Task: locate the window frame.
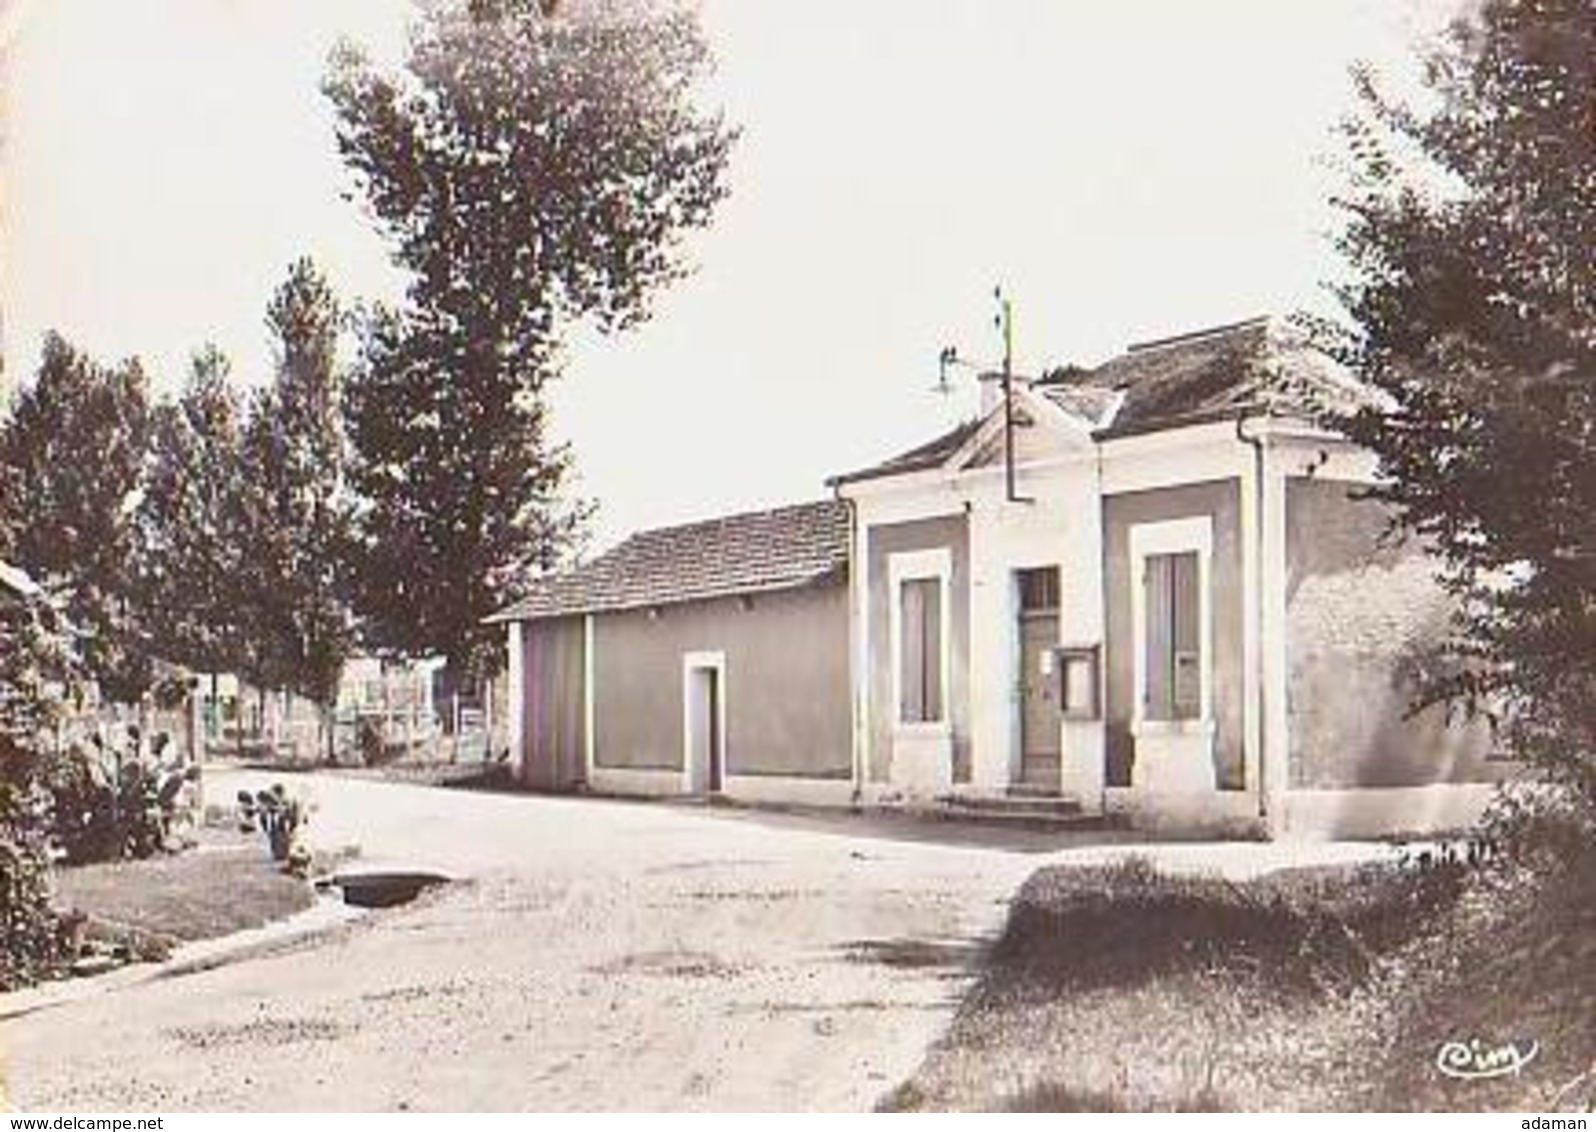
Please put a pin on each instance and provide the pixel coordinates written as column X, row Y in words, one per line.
column 917, row 566
column 1025, row 574
column 1148, row 540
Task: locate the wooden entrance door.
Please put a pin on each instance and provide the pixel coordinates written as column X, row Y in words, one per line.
column 1040, row 749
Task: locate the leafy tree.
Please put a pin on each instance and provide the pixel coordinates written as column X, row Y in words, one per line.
column 1471, row 235
column 192, row 522
column 74, row 450
column 34, row 659
column 425, row 582
column 10, row 494
column 296, row 530
column 533, row 165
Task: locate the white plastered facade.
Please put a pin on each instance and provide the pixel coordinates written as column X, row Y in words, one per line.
column 1060, row 523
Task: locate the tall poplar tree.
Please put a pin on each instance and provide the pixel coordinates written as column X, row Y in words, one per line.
column 192, row 521
column 297, row 503
column 531, row 166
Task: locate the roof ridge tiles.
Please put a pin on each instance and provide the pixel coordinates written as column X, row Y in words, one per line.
column 779, row 547
column 1261, row 320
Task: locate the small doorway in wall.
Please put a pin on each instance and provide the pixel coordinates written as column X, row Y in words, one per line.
column 1036, row 696
column 704, row 721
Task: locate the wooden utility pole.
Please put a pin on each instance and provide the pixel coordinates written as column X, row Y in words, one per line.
column 1005, row 321
column 949, row 358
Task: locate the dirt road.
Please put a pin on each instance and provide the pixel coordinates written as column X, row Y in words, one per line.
column 595, row 955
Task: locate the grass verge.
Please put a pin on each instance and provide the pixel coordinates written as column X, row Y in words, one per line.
column 154, row 904
column 1122, row 988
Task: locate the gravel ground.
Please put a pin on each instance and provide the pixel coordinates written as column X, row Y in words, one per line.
column 594, row 955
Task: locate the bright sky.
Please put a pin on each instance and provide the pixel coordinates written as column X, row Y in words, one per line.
column 1126, row 170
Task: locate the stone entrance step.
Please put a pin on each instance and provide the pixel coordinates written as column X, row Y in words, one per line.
column 1017, row 803
column 1046, row 811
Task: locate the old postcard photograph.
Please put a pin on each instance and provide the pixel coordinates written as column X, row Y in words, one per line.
column 668, row 556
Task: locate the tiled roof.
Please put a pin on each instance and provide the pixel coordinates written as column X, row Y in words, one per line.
column 784, row 548
column 1256, row 365
column 1090, row 403
column 931, row 454
column 1213, row 374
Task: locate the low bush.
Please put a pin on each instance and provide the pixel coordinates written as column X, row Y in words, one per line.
column 31, row 945
column 33, row 663
column 1513, row 960
column 114, row 800
column 1541, row 824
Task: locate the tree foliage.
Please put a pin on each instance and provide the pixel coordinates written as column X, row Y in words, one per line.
column 1471, row 235
column 198, row 530
column 297, row 509
column 532, row 165
column 463, row 493
column 193, row 521
column 74, row 449
column 35, row 661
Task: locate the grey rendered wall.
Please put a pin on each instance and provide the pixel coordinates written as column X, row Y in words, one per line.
column 786, row 691
column 553, row 726
column 1359, row 616
column 1220, row 500
column 885, row 540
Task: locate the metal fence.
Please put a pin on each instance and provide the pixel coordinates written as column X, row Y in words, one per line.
column 377, row 726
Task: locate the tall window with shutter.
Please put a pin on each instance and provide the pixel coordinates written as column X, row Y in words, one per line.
column 1173, row 641
column 920, row 651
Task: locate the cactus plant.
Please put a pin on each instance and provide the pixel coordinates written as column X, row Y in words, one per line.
column 274, row 814
column 110, row 800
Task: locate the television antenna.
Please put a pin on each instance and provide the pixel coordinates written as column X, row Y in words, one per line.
column 949, row 359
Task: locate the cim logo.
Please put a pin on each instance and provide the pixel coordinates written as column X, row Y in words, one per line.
column 1473, row 1060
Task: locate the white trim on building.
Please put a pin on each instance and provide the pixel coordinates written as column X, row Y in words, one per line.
column 516, row 705
column 922, row 752
column 589, row 716
column 915, row 566
column 697, row 779
column 1173, row 756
